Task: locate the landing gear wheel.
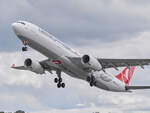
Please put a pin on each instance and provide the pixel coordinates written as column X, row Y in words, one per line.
column 91, row 80
column 59, row 85
column 56, row 80
column 91, row 84
column 88, row 79
column 63, row 85
column 24, row 49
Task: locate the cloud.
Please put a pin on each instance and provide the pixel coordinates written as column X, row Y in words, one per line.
column 135, row 47
column 84, row 110
column 15, row 100
column 76, row 21
column 78, row 96
column 10, row 76
column 112, row 29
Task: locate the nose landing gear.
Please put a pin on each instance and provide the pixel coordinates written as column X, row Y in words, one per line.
column 24, row 49
column 25, row 43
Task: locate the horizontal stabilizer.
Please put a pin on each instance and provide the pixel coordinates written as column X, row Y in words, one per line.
column 18, row 67
column 137, row 87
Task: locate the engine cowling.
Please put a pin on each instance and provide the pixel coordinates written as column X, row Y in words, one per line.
column 33, row 66
column 91, row 62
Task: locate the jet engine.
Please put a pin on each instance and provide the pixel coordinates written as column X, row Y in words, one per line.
column 91, row 63
column 33, row 66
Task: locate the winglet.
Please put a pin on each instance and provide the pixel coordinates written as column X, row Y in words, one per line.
column 122, row 76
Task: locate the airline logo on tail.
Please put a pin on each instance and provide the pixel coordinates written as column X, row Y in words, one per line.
column 125, row 76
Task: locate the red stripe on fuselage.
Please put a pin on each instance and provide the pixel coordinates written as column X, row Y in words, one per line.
column 56, row 61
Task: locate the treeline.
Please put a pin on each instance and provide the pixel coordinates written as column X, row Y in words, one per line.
column 19, row 111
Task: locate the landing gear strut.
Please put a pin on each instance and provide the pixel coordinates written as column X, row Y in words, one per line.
column 25, row 43
column 59, row 80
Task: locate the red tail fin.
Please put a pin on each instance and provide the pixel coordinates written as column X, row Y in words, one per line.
column 122, row 76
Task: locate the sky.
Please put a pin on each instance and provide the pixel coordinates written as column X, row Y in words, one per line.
column 102, row 28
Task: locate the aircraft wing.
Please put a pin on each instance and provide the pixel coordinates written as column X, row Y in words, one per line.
column 46, row 64
column 114, row 63
column 18, row 67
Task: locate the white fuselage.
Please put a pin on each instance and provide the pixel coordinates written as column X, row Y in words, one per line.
column 52, row 48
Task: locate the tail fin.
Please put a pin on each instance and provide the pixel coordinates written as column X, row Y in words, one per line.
column 122, row 76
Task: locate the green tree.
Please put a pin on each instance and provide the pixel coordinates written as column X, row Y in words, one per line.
column 19, row 111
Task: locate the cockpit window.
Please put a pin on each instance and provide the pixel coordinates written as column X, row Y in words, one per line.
column 21, row 23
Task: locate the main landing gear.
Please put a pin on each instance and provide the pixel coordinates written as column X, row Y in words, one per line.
column 25, row 43
column 59, row 80
column 91, row 80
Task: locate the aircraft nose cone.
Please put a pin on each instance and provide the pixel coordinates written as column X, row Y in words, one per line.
column 15, row 27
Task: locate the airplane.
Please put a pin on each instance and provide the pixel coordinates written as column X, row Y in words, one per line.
column 62, row 58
